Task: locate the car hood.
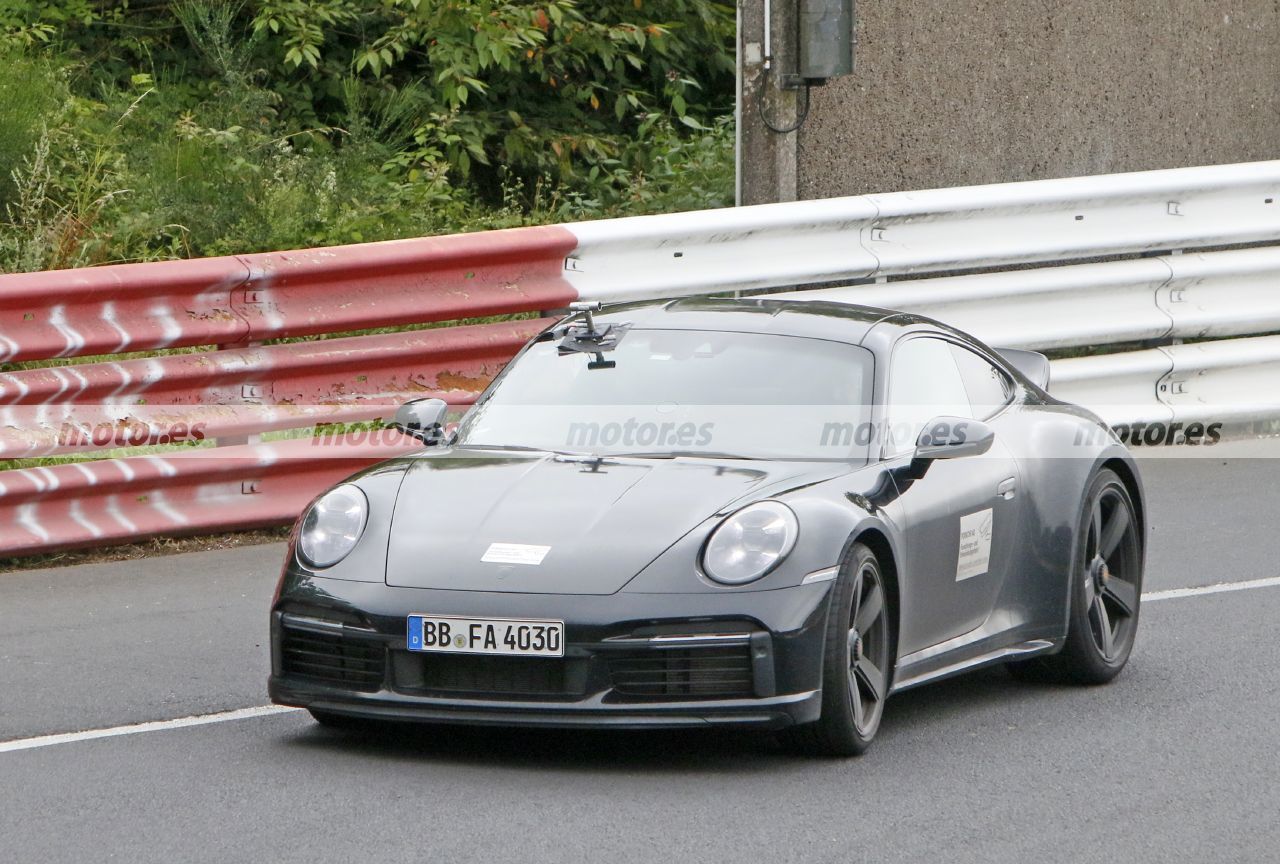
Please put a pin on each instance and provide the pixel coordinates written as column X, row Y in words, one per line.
column 561, row 525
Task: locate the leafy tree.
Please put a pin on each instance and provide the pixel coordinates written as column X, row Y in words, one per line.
column 546, row 86
column 205, row 126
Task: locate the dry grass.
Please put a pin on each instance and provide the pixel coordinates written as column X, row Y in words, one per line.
column 155, row 547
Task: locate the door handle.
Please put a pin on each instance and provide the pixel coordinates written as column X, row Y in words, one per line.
column 1007, row 488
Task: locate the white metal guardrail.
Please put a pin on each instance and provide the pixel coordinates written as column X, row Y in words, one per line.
column 1102, row 261
column 1190, row 296
column 1137, row 295
column 1228, row 381
column 933, row 231
column 1176, row 297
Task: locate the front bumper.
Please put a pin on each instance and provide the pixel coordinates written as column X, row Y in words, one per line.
column 631, row 660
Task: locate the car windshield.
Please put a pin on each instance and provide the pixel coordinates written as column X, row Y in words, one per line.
column 683, row 392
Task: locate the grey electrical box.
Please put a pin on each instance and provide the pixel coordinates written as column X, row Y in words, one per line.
column 826, row 39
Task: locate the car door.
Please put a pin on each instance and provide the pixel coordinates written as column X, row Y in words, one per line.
column 961, row 520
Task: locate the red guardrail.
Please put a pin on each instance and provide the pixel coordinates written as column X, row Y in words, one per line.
column 248, row 298
column 332, row 380
column 194, row 492
column 243, row 389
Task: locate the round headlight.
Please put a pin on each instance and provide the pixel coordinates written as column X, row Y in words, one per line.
column 332, row 526
column 750, row 543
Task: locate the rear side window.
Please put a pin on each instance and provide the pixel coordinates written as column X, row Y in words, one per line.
column 987, row 387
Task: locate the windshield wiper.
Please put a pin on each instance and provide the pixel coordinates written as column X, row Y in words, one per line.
column 677, row 454
column 523, row 448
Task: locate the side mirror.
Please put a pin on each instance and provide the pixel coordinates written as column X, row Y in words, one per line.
column 422, row 419
column 950, row 438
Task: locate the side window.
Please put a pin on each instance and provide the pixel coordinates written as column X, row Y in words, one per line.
column 924, row 383
column 988, row 388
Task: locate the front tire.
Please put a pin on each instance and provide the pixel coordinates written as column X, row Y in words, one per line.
column 1105, row 591
column 857, row 661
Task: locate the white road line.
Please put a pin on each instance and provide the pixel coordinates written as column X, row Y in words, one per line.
column 269, row 710
column 1219, row 588
column 137, row 728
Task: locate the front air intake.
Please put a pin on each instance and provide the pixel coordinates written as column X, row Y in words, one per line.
column 350, row 663
column 722, row 672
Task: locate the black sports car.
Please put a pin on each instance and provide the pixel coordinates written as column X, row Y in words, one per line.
column 752, row 512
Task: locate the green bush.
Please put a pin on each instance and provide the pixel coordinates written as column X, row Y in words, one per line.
column 200, row 128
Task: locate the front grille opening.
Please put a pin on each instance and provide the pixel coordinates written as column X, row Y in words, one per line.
column 721, row 672
column 339, row 661
column 478, row 676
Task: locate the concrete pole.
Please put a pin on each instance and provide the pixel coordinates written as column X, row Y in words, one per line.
column 766, row 158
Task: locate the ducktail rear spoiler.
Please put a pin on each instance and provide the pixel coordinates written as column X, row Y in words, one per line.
column 1030, row 363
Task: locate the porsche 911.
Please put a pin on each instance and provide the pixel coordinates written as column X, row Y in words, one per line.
column 759, row 513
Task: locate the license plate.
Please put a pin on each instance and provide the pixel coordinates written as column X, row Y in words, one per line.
column 448, row 634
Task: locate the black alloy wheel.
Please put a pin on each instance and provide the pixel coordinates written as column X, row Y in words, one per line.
column 857, row 662
column 1105, row 591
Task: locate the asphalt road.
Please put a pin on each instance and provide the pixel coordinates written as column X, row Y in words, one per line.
column 1177, row 760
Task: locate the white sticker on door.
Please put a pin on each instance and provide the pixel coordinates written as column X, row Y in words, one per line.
column 975, row 545
column 514, row 553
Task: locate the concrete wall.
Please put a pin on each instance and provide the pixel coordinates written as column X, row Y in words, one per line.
column 955, row 93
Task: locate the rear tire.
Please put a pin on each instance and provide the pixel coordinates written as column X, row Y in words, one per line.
column 1105, row 591
column 857, row 662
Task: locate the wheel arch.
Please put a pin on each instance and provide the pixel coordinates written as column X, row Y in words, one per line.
column 878, row 542
column 1129, row 477
column 1121, row 463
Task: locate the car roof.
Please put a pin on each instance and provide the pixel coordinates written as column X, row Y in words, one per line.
column 817, row 319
